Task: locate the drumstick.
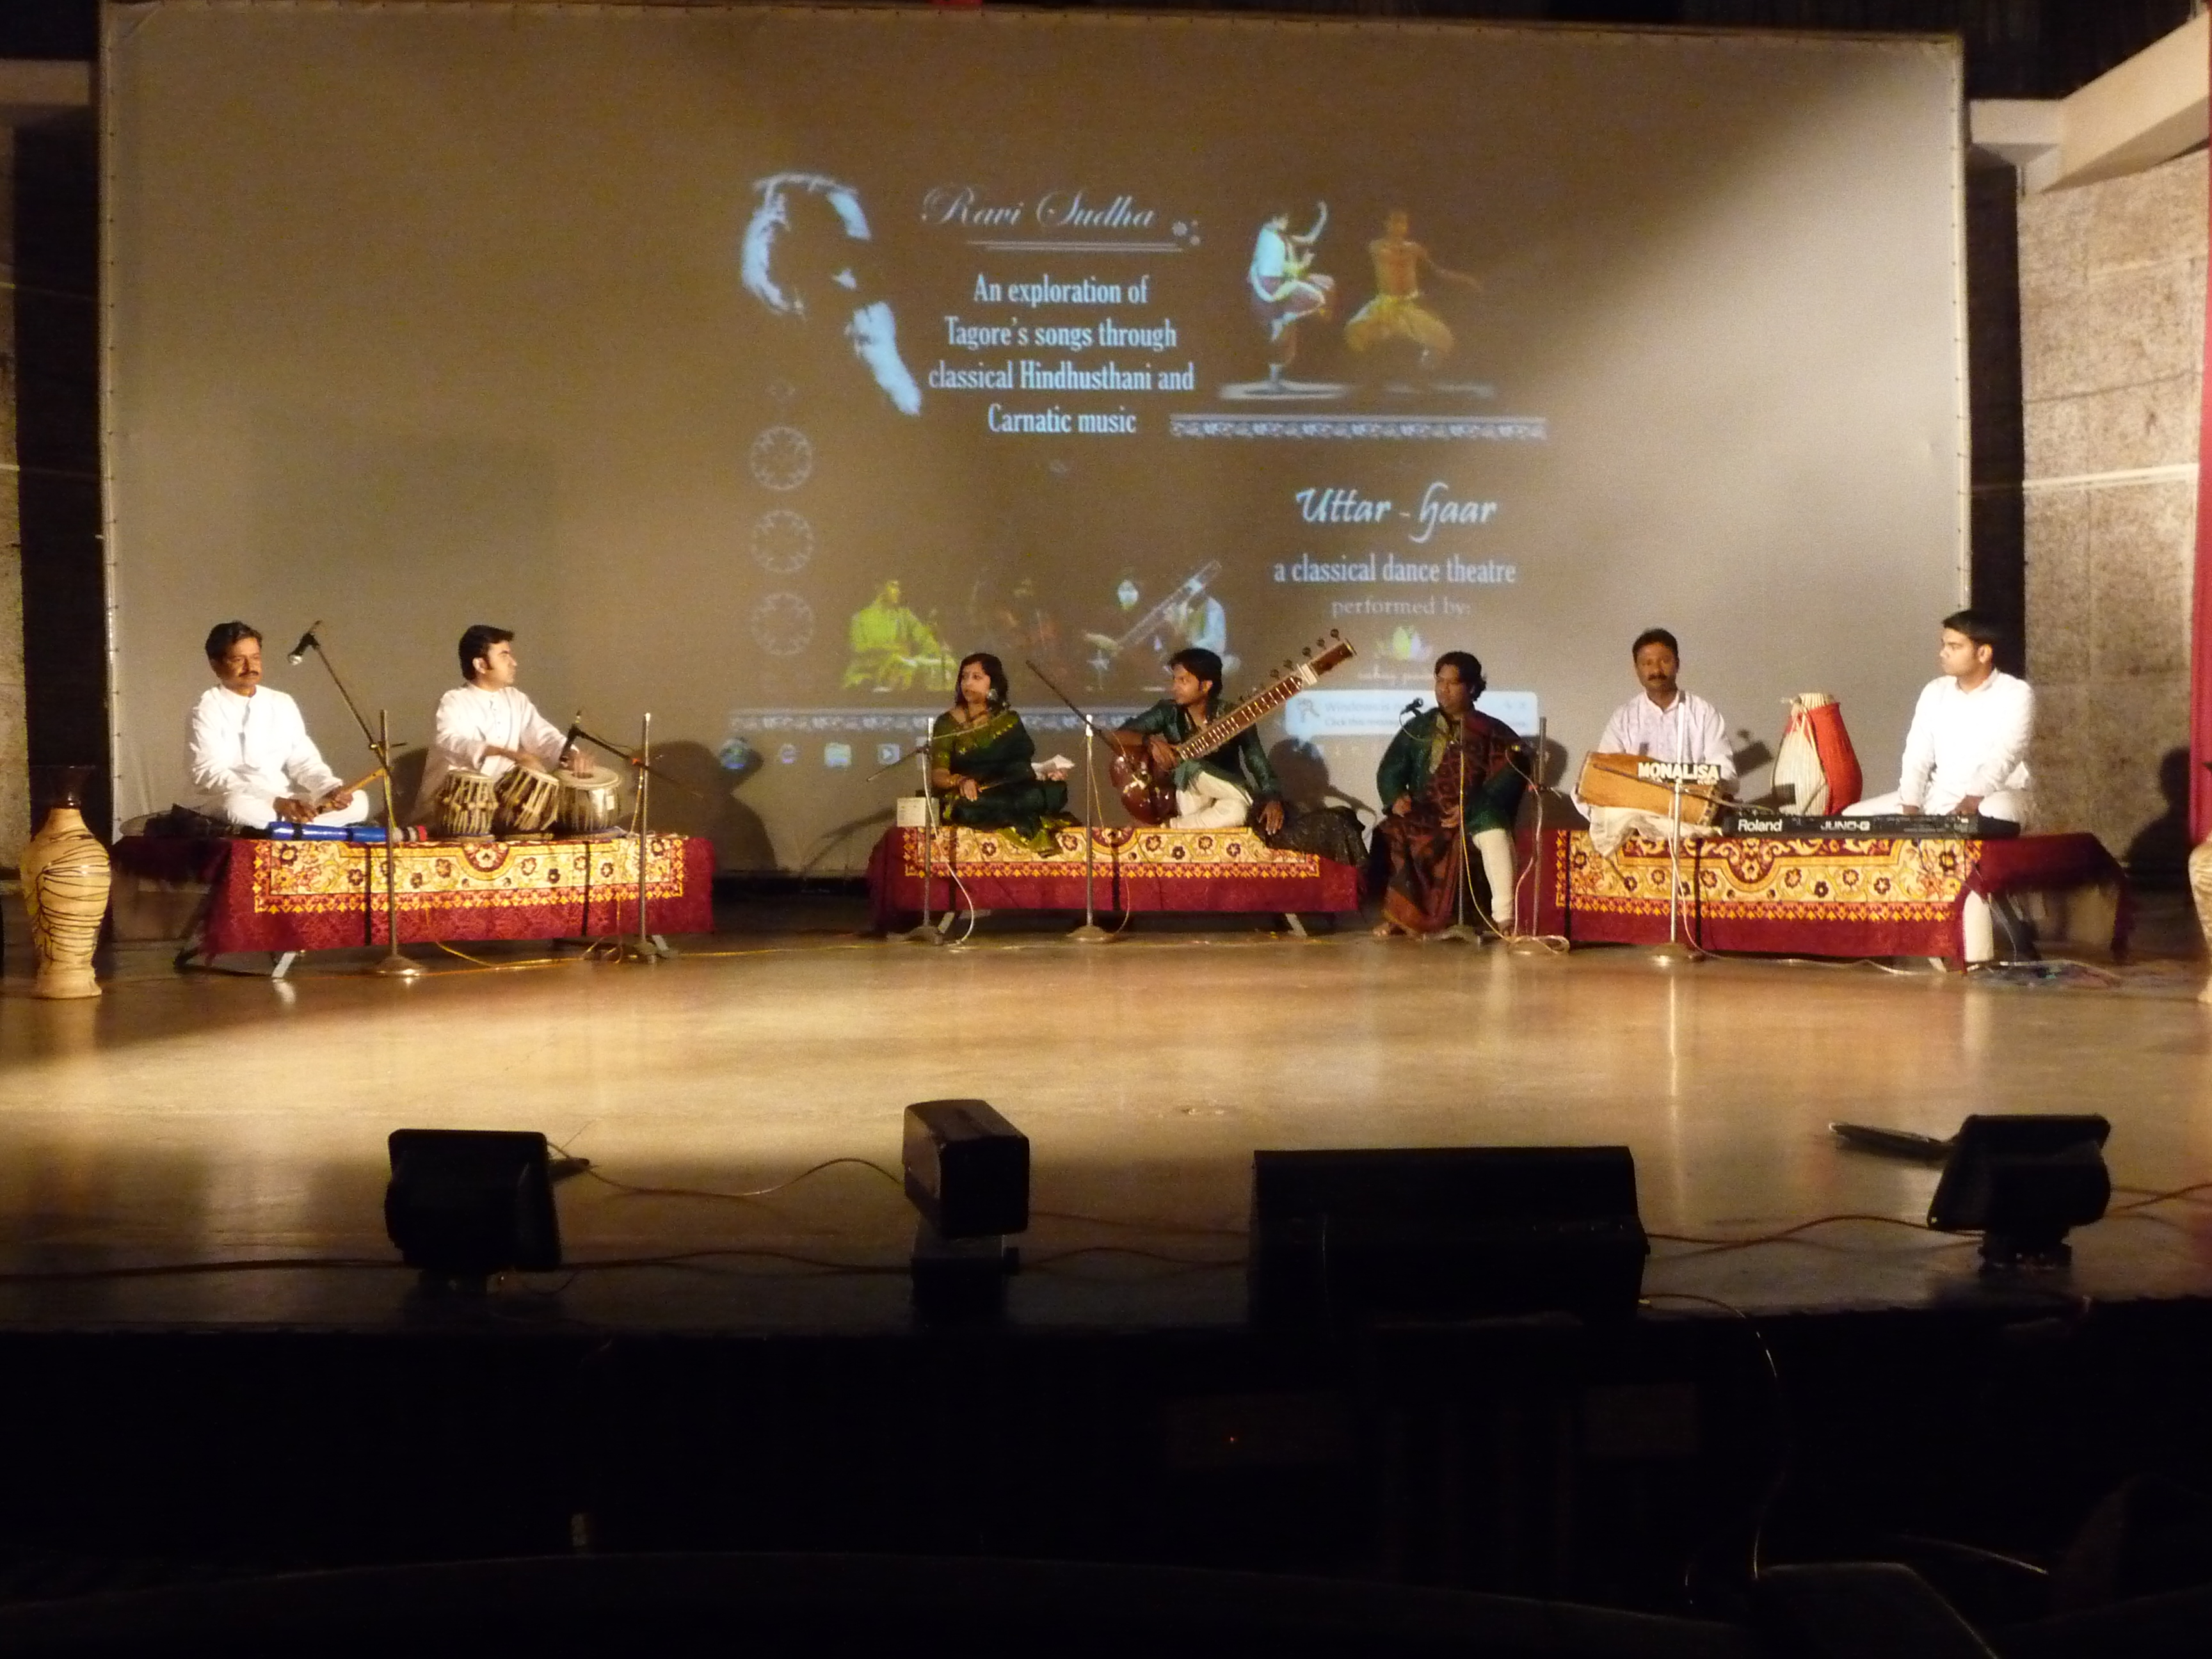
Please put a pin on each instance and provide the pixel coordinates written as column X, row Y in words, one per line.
column 358, row 783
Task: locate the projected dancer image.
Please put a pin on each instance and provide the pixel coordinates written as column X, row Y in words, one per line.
column 807, row 251
column 1396, row 314
column 1286, row 289
column 893, row 649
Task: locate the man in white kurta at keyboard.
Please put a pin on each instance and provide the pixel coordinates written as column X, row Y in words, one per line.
column 488, row 725
column 252, row 764
column 1967, row 749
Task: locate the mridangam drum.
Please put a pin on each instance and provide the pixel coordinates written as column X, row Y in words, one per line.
column 527, row 800
column 464, row 807
column 591, row 802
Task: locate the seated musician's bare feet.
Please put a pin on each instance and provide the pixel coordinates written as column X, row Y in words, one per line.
column 1388, row 929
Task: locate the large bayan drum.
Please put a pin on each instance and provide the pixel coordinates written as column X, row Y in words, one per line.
column 464, row 806
column 527, row 800
column 591, row 802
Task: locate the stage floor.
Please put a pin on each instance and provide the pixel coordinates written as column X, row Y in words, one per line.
column 203, row 1118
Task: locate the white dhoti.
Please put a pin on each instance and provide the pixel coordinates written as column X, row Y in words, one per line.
column 1495, row 848
column 1210, row 803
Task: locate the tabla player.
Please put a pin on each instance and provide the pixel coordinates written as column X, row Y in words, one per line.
column 487, row 725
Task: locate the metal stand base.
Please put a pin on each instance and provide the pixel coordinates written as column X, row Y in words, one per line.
column 1526, row 946
column 930, row 932
column 1673, row 954
column 1459, row 930
column 396, row 966
column 652, row 948
column 1089, row 933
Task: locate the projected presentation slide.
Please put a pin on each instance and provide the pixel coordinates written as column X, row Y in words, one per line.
column 755, row 365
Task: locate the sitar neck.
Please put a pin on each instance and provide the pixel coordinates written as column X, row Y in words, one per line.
column 1249, row 714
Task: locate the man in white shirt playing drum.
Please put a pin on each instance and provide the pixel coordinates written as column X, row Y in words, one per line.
column 252, row 764
column 1664, row 722
column 1967, row 749
column 489, row 725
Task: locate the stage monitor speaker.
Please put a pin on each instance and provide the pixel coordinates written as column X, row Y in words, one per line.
column 471, row 1202
column 2022, row 1182
column 967, row 1168
column 1458, row 1230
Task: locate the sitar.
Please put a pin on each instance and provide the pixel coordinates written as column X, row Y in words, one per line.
column 1149, row 792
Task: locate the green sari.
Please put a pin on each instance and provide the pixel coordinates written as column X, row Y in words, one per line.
column 1010, row 797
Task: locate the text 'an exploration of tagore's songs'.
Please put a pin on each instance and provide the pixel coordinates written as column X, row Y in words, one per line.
column 1057, row 353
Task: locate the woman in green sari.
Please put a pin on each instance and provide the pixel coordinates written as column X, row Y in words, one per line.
column 981, row 773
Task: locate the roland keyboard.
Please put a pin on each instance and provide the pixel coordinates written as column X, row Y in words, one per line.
column 1940, row 826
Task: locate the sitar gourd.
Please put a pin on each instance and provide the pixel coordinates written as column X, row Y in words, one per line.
column 1149, row 793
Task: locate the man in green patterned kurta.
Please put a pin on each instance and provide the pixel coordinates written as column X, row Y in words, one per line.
column 1452, row 776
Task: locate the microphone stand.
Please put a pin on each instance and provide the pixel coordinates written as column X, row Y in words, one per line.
column 647, row 947
column 1529, row 944
column 927, row 934
column 395, row 964
column 1091, row 933
column 1460, row 929
column 1675, row 952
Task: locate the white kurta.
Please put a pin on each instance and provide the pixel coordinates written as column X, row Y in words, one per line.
column 471, row 718
column 1688, row 729
column 1969, row 742
column 246, row 752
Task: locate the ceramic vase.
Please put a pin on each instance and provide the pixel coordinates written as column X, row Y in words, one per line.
column 65, row 878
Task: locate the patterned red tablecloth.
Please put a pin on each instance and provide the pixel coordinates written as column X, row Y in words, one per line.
column 1134, row 869
column 319, row 896
column 1826, row 896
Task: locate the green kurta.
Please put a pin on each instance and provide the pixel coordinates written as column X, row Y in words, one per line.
column 1241, row 761
column 1493, row 785
column 1010, row 796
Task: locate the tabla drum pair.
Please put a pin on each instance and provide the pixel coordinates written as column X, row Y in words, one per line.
column 591, row 802
column 465, row 804
column 528, row 800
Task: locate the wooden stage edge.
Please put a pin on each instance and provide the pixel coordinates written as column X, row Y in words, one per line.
column 185, row 1120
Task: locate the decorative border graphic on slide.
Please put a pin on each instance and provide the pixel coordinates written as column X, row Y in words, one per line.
column 1498, row 429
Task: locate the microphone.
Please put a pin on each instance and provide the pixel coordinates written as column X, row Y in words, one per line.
column 308, row 642
column 1413, row 708
column 568, row 743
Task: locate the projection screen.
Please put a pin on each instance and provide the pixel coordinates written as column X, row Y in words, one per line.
column 752, row 364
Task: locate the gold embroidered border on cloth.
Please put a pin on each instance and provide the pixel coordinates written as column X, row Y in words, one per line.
column 1135, row 851
column 303, row 878
column 1772, row 877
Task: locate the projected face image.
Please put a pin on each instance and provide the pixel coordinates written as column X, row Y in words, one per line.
column 807, row 250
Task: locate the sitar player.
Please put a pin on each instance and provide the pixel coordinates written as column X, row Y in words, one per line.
column 1219, row 791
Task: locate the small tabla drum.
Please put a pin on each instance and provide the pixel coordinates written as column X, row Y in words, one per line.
column 464, row 807
column 527, row 800
column 591, row 802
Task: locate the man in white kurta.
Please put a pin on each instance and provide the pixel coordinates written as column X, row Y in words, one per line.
column 1967, row 748
column 489, row 725
column 251, row 761
column 1661, row 722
